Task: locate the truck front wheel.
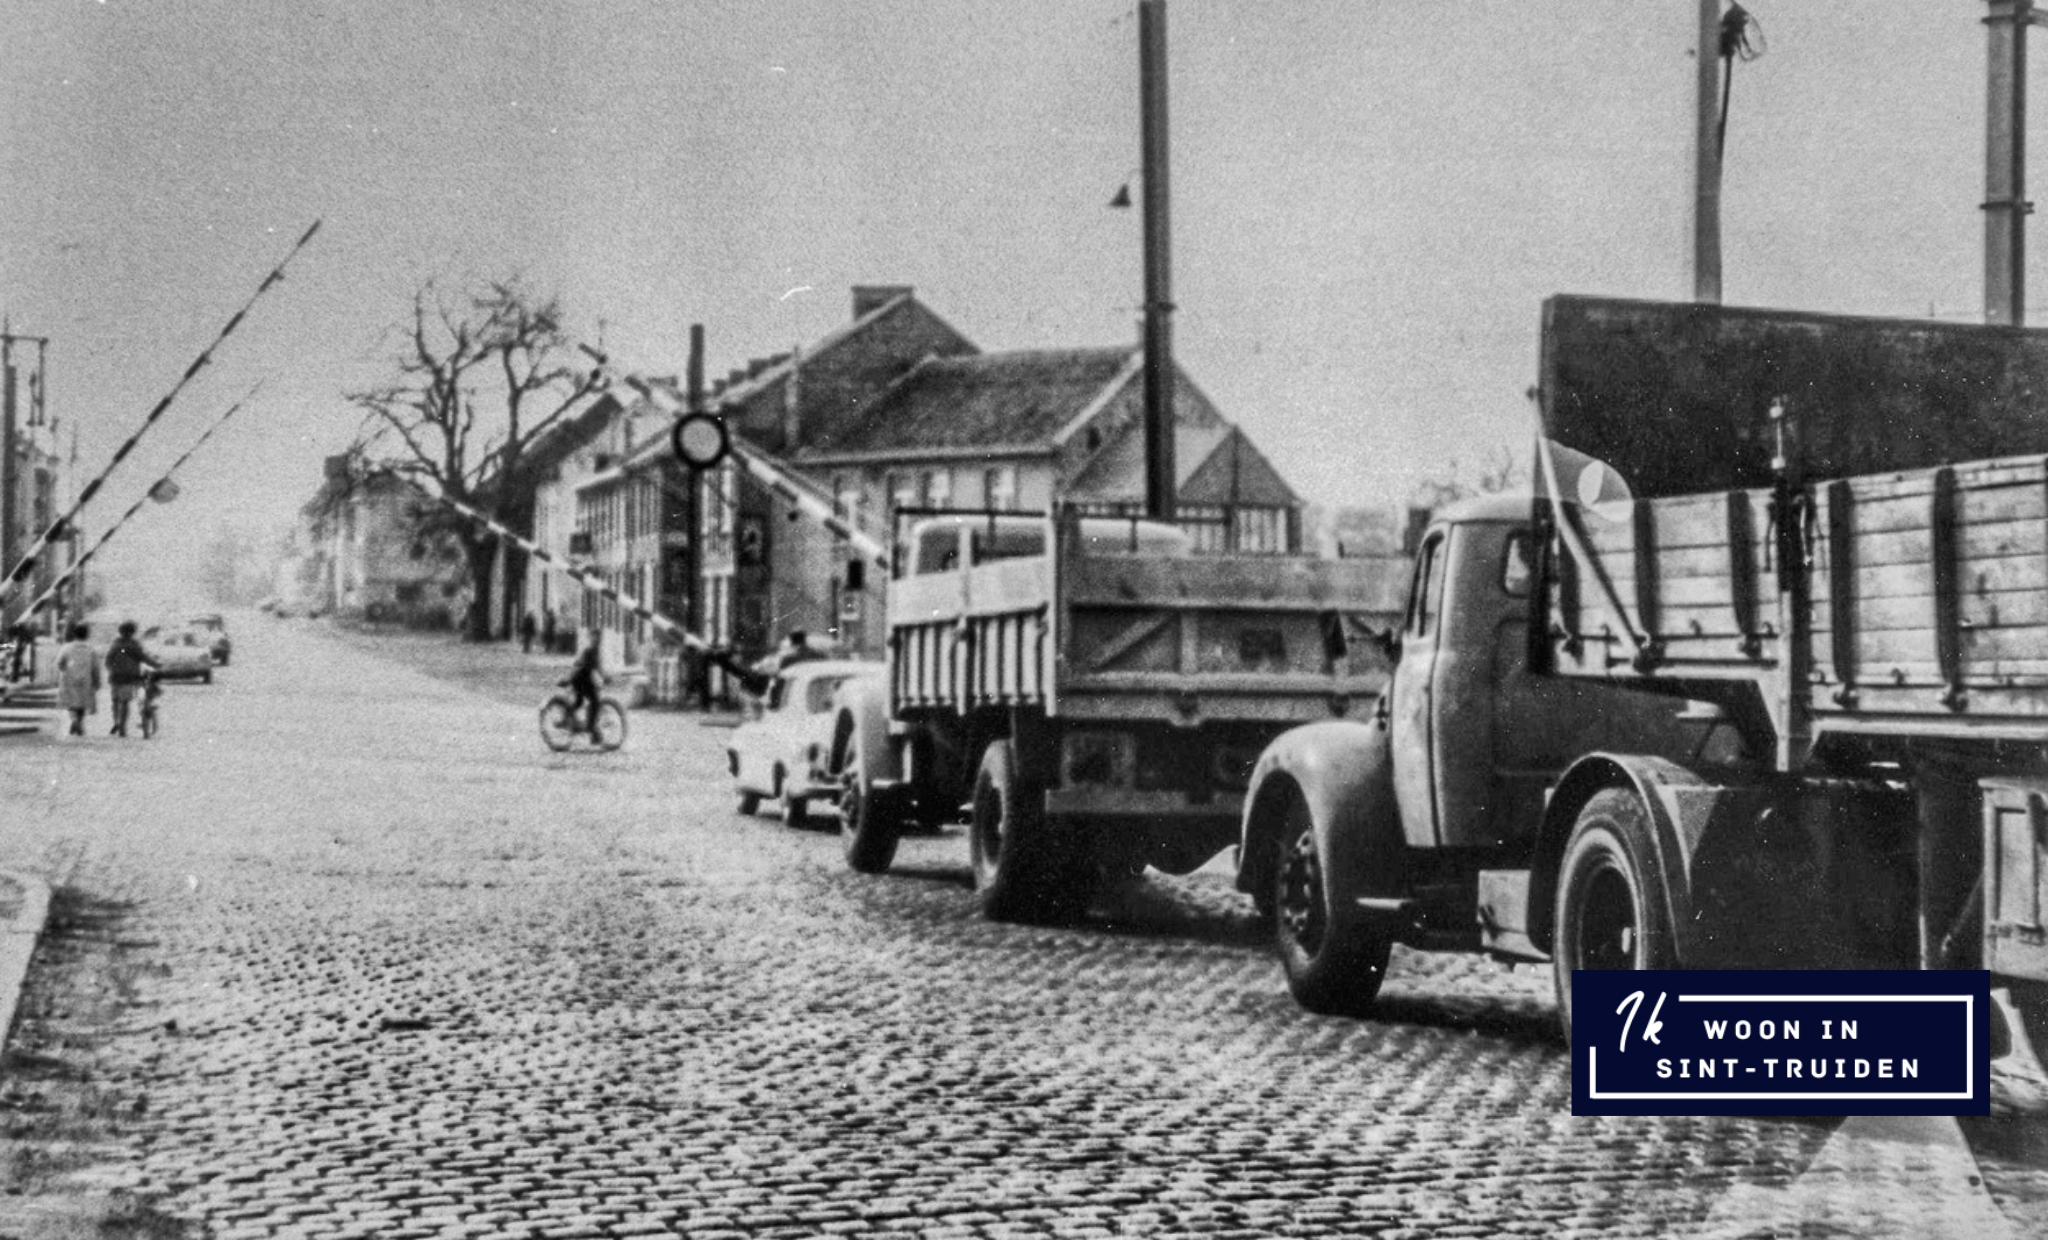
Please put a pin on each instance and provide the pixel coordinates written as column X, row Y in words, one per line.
column 1020, row 868
column 869, row 824
column 1610, row 910
column 1335, row 960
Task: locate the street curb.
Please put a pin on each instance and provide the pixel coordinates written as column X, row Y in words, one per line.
column 18, row 943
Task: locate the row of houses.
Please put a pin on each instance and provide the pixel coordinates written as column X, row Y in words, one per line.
column 30, row 471
column 894, row 410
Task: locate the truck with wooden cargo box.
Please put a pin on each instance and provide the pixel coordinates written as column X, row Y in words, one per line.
column 1093, row 692
column 1780, row 702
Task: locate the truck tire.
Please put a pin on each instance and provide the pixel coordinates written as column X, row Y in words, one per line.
column 1334, row 959
column 1611, row 912
column 1023, row 870
column 869, row 825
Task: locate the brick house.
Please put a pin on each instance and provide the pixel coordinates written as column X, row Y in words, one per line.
column 895, row 409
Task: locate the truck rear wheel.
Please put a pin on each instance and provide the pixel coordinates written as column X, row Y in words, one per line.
column 1022, row 871
column 1335, row 960
column 1610, row 907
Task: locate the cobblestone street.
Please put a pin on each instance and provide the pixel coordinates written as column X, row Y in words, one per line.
column 361, row 958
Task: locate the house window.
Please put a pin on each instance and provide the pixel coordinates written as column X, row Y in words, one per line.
column 1204, row 524
column 1262, row 531
column 999, row 487
column 902, row 488
column 719, row 501
column 938, row 488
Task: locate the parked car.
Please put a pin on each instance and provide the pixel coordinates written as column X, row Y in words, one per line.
column 183, row 654
column 781, row 753
column 215, row 627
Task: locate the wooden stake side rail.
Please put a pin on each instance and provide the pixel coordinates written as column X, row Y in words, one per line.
column 1176, row 639
column 1929, row 588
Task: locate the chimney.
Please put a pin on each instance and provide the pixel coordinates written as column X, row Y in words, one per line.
column 868, row 298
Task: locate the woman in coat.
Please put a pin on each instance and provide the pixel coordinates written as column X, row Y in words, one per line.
column 78, row 678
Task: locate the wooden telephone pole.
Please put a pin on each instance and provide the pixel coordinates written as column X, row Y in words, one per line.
column 2005, row 161
column 1161, row 502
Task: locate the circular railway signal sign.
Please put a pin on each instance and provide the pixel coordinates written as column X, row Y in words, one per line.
column 700, row 440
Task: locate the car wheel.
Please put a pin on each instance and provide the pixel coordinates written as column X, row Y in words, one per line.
column 1610, row 910
column 795, row 810
column 1023, row 869
column 748, row 803
column 1335, row 961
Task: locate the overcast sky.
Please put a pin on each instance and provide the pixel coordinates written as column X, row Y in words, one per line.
column 1370, row 197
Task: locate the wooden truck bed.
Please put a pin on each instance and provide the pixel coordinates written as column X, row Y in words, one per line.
column 1108, row 635
column 1929, row 598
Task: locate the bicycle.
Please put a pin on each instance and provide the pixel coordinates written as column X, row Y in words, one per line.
column 561, row 723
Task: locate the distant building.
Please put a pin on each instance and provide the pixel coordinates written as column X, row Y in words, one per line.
column 894, row 410
column 30, row 469
column 367, row 549
column 1019, row 431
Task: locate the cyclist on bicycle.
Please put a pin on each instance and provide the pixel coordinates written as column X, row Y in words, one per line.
column 586, row 677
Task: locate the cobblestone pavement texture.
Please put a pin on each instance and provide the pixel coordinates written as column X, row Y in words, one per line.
column 346, row 952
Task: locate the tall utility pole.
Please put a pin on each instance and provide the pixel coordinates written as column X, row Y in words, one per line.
column 10, row 468
column 1706, row 197
column 1160, row 501
column 2005, row 162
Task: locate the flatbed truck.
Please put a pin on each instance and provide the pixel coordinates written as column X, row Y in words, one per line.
column 1757, row 713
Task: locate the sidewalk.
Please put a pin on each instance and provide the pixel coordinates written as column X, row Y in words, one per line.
column 24, row 907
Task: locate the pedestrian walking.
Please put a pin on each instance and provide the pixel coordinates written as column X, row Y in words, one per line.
column 527, row 628
column 78, row 678
column 128, row 665
column 21, row 659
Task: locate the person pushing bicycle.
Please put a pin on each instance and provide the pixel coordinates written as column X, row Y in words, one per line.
column 586, row 677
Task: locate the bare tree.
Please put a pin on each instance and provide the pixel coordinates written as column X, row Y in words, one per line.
column 479, row 377
column 1496, row 473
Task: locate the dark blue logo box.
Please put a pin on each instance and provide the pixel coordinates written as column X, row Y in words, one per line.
column 1781, row 1042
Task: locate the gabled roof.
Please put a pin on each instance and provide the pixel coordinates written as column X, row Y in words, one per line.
column 1214, row 464
column 1237, row 473
column 980, row 401
column 779, row 366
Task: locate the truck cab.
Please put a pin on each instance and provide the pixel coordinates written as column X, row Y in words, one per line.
column 1423, row 823
column 1479, row 739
